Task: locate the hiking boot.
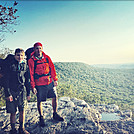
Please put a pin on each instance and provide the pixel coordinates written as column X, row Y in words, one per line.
column 13, row 131
column 41, row 123
column 57, row 117
column 23, row 131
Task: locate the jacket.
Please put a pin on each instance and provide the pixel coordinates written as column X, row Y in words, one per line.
column 17, row 78
column 44, row 68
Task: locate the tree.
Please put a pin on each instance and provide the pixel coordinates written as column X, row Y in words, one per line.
column 8, row 18
column 65, row 90
column 4, row 52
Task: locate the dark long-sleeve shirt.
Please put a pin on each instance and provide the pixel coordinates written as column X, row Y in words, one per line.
column 16, row 78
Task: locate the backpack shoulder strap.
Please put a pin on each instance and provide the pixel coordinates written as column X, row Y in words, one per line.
column 35, row 65
column 47, row 60
column 36, row 76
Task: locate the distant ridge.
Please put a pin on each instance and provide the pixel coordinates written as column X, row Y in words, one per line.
column 115, row 66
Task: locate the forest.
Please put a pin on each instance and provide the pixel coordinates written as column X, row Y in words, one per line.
column 96, row 85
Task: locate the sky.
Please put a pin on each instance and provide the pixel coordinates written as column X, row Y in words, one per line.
column 92, row 32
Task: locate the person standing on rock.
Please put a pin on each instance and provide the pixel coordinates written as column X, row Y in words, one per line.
column 17, row 89
column 43, row 80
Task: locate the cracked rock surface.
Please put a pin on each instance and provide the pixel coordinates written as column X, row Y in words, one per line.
column 79, row 118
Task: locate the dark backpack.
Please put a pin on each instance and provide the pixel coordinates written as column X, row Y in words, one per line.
column 3, row 63
column 28, row 53
column 1, row 72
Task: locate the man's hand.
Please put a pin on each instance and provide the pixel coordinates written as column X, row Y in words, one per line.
column 55, row 83
column 34, row 91
column 10, row 98
column 28, row 98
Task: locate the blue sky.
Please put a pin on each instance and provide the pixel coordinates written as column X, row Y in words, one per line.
column 93, row 32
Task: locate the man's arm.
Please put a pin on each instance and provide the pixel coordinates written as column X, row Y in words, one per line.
column 31, row 72
column 53, row 71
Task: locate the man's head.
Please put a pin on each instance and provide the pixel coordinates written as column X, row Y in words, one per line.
column 38, row 49
column 19, row 54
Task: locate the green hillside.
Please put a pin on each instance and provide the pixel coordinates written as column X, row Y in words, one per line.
column 96, row 85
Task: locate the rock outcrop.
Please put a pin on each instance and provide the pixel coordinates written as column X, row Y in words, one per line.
column 79, row 118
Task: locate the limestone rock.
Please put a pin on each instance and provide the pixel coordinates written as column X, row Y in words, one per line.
column 79, row 118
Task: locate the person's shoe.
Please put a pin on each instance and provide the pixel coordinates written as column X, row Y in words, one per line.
column 23, row 131
column 13, row 131
column 41, row 122
column 57, row 117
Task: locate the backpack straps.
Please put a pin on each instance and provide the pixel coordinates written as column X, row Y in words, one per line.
column 37, row 76
column 35, row 65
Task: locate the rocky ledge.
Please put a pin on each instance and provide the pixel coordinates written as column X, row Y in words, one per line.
column 79, row 118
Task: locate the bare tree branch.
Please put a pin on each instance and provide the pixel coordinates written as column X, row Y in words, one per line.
column 8, row 19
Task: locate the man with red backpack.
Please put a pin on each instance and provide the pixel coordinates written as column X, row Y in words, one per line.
column 43, row 80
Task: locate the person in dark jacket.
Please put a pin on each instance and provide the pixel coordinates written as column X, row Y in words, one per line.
column 43, row 80
column 17, row 89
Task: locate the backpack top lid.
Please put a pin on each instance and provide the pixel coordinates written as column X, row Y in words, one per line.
column 1, row 62
column 9, row 57
column 28, row 52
